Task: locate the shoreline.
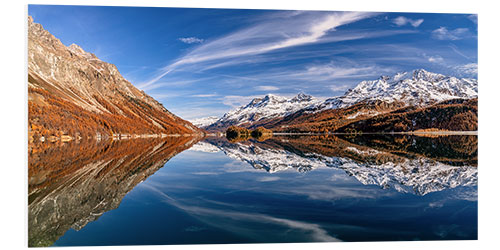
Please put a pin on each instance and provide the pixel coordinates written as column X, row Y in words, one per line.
column 371, row 133
column 66, row 138
column 115, row 137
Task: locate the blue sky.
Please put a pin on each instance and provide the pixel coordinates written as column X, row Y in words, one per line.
column 203, row 62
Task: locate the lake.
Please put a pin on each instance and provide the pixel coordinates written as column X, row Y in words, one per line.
column 185, row 190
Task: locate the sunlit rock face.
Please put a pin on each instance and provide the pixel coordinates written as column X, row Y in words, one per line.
column 72, row 92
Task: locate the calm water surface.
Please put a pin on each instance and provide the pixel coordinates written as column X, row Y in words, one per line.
column 283, row 189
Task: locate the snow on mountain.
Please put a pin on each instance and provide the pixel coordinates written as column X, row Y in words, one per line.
column 417, row 88
column 268, row 107
column 204, row 122
column 419, row 176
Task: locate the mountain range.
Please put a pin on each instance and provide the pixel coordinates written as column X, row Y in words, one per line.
column 72, row 93
column 415, row 91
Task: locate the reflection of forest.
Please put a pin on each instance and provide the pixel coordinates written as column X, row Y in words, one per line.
column 408, row 164
column 71, row 184
column 455, row 150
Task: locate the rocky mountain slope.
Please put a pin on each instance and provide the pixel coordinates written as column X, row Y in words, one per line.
column 204, row 122
column 73, row 93
column 454, row 115
column 416, row 88
column 263, row 109
column 403, row 92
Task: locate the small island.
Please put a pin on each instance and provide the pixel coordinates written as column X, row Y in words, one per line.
column 235, row 133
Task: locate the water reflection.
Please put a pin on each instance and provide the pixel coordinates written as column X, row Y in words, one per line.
column 410, row 164
column 72, row 184
column 282, row 189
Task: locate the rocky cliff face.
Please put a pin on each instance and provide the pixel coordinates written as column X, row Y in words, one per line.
column 73, row 92
column 262, row 110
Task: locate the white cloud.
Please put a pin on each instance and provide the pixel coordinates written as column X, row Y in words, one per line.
column 401, row 21
column 273, row 34
column 467, row 69
column 190, row 40
column 235, row 101
column 334, row 70
column 443, row 33
column 342, row 87
column 266, row 88
column 473, row 18
column 435, row 59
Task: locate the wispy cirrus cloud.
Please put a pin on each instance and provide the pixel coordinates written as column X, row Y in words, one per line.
column 204, row 95
column 458, row 52
column 327, row 72
column 473, row 18
column 401, row 21
column 190, row 40
column 273, row 34
column 443, row 33
column 467, row 69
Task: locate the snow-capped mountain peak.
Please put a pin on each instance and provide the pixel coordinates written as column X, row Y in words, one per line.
column 204, row 122
column 267, row 107
column 418, row 88
column 414, row 88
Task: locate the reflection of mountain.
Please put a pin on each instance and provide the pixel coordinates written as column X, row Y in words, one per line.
column 413, row 165
column 73, row 184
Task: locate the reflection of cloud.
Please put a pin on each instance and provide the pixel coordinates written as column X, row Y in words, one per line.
column 237, row 167
column 268, row 178
column 327, row 193
column 194, row 229
column 238, row 222
column 205, row 173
